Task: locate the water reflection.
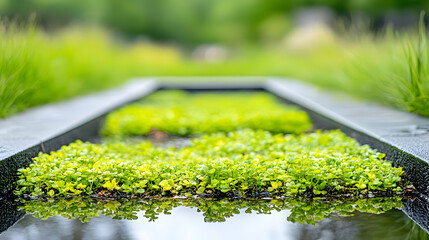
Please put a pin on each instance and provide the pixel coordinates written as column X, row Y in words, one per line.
column 213, row 210
column 390, row 225
column 215, row 219
column 60, row 228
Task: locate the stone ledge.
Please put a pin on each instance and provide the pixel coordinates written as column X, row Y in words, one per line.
column 403, row 136
column 46, row 128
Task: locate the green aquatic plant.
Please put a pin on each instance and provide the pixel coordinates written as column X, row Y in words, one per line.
column 214, row 210
column 245, row 163
column 185, row 114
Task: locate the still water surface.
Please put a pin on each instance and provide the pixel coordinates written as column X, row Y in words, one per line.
column 190, row 222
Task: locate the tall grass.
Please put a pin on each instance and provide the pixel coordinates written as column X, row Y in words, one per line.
column 37, row 68
column 392, row 69
column 417, row 88
column 19, row 74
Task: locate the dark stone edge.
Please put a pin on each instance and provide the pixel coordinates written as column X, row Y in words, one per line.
column 417, row 210
column 86, row 131
column 9, row 166
column 213, row 86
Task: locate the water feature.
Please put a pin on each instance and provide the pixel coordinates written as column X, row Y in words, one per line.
column 83, row 218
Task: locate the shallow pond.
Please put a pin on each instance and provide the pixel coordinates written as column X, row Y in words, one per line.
column 216, row 219
column 354, row 217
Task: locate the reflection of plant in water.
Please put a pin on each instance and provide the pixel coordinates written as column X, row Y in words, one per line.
column 311, row 212
column 302, row 211
column 415, row 232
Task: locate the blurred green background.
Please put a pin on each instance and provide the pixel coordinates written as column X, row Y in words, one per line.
column 56, row 49
column 192, row 22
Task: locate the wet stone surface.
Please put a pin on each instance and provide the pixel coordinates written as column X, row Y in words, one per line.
column 401, row 135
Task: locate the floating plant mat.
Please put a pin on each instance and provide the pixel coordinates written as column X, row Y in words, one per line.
column 179, row 113
column 244, row 163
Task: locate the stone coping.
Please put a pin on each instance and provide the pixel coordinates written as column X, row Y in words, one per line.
column 403, row 136
column 40, row 124
column 46, row 128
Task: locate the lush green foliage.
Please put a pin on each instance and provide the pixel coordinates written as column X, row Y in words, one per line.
column 242, row 163
column 398, row 76
column 417, row 82
column 37, row 68
column 17, row 70
column 184, row 114
column 302, row 210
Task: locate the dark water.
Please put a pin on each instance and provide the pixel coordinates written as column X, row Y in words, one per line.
column 216, row 219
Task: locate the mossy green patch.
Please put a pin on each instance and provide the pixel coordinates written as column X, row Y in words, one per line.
column 185, row 114
column 241, row 163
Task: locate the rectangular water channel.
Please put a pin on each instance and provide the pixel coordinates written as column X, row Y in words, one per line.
column 210, row 220
column 273, row 217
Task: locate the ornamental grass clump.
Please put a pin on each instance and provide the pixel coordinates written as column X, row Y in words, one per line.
column 244, row 163
column 184, row 114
